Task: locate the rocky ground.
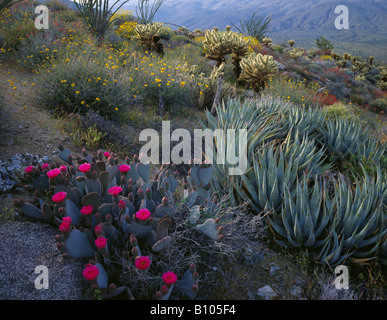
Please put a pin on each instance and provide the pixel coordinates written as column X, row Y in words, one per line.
column 23, row 247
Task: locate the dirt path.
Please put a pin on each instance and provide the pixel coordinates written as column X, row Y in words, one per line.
column 26, row 128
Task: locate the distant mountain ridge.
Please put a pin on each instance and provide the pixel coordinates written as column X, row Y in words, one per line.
column 302, row 20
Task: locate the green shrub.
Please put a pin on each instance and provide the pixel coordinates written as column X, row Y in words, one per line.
column 358, row 99
column 343, row 111
column 79, row 84
column 379, row 105
column 323, row 44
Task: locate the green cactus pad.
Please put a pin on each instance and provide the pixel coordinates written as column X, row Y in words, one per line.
column 64, row 155
column 208, row 228
column 139, row 230
column 191, row 199
column 132, row 173
column 102, row 278
column 162, row 227
column 105, row 209
column 104, row 180
column 113, row 171
column 148, row 204
column 78, row 245
column 71, row 194
column 184, row 285
column 91, row 199
column 73, row 211
column 93, row 185
column 143, row 170
column 205, row 175
column 47, row 212
column 151, row 239
column 41, row 183
column 195, row 175
column 101, row 166
column 32, row 213
column 162, row 244
column 163, row 210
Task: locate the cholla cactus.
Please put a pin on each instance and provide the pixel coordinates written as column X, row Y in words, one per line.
column 208, row 86
column 146, row 33
column 218, row 45
column 239, row 49
column 257, row 69
column 347, row 56
column 291, row 43
column 336, row 56
column 296, row 53
column 267, row 41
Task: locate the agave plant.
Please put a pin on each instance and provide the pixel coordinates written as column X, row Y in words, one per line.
column 361, row 216
column 358, row 226
column 342, row 136
column 304, row 220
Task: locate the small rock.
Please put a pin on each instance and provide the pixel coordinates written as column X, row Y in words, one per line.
column 274, row 270
column 267, row 293
column 257, row 257
column 296, row 291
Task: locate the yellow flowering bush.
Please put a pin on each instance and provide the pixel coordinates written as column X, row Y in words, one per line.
column 126, row 30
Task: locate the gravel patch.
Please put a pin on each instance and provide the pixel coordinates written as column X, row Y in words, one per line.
column 23, row 247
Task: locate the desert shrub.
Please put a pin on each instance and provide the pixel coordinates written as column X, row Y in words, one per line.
column 341, row 110
column 166, row 33
column 358, row 99
column 379, row 105
column 277, row 48
column 338, row 89
column 298, row 92
column 323, row 44
column 17, row 31
column 126, row 29
column 121, row 16
column 79, row 84
column 181, row 39
column 56, row 5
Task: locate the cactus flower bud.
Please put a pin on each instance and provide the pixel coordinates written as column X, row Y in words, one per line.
column 122, row 204
column 58, row 237
column 134, row 251
column 108, row 218
column 59, row 245
column 195, row 275
column 159, row 295
column 112, row 287
column 164, row 289
column 133, row 240
column 65, row 256
column 192, row 268
column 60, row 147
column 220, row 229
column 164, row 201
column 195, row 288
